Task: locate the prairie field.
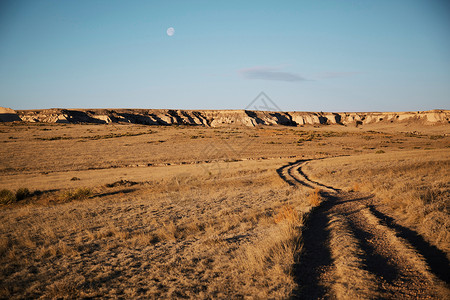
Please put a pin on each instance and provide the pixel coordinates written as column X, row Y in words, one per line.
column 134, row 211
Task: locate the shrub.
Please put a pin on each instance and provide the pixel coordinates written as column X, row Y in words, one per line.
column 379, row 152
column 306, row 137
column 314, row 198
column 6, row 196
column 78, row 194
column 288, row 213
column 22, row 193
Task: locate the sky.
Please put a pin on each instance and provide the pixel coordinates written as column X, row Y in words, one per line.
column 316, row 55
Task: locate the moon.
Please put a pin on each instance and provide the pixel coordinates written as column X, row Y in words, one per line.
column 170, row 31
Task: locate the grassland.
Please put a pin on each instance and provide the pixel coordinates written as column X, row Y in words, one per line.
column 415, row 186
column 138, row 211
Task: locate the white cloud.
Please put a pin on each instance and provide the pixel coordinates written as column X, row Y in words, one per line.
column 270, row 73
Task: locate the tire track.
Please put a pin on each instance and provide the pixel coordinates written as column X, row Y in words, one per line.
column 292, row 173
column 350, row 251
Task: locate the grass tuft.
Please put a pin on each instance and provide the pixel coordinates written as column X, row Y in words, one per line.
column 306, row 137
column 77, row 194
column 286, row 213
column 314, row 198
column 7, row 197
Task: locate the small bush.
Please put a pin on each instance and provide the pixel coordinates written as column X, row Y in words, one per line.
column 6, row 196
column 307, row 137
column 288, row 213
column 22, row 193
column 355, row 187
column 379, row 152
column 78, row 194
column 314, row 198
column 121, row 182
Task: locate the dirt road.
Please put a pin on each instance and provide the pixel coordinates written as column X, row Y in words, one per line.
column 354, row 251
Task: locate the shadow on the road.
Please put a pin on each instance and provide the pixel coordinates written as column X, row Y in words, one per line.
column 304, row 183
column 299, row 170
column 375, row 263
column 291, row 181
column 315, row 256
column 435, row 258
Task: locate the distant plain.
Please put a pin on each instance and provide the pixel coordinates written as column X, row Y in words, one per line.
column 133, row 211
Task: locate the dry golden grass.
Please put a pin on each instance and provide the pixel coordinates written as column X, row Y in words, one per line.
column 314, row 197
column 415, row 184
column 208, row 238
column 9, row 197
column 76, row 194
column 356, row 187
column 159, row 214
column 87, row 147
column 287, row 213
column 272, row 257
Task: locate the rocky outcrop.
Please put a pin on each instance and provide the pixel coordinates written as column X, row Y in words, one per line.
column 8, row 115
column 216, row 118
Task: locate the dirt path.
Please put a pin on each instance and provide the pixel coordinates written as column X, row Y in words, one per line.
column 354, row 251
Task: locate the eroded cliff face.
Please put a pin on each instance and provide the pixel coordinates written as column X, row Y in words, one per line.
column 216, row 118
column 8, row 115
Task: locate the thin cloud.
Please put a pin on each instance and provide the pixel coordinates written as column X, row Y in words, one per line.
column 268, row 73
column 327, row 75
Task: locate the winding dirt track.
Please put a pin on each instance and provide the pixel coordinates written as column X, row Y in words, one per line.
column 351, row 250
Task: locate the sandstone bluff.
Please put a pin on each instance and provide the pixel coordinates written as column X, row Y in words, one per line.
column 214, row 118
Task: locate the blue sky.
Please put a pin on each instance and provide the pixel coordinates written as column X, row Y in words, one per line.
column 384, row 55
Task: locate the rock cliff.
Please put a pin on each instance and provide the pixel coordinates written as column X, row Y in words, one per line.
column 216, row 118
column 8, row 115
